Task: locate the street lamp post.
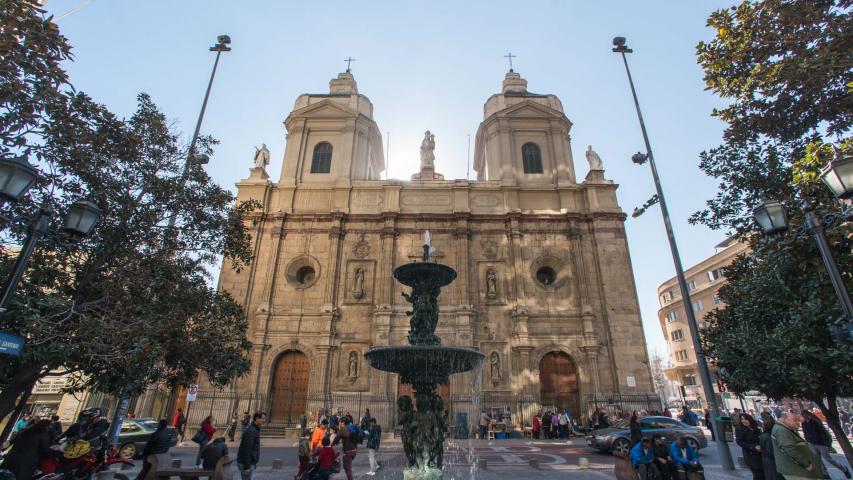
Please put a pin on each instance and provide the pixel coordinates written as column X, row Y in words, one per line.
column 773, row 219
column 17, row 176
column 704, row 373
column 221, row 45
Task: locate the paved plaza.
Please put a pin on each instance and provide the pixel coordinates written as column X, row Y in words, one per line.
column 515, row 459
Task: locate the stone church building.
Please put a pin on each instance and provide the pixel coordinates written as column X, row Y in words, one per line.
column 545, row 287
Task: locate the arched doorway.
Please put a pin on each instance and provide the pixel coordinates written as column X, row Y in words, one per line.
column 558, row 382
column 289, row 391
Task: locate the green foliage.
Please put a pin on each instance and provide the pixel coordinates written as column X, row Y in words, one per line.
column 784, row 66
column 131, row 304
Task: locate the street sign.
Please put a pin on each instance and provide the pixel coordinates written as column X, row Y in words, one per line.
column 11, row 344
column 192, row 391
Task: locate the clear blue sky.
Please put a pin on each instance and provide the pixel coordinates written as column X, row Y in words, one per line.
column 427, row 65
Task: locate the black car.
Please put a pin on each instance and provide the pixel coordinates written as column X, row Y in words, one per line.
column 135, row 433
column 618, row 437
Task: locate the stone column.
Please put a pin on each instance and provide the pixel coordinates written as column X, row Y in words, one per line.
column 462, row 234
column 579, row 266
column 324, row 357
column 385, row 279
column 522, row 368
column 334, row 261
column 513, row 232
column 591, row 353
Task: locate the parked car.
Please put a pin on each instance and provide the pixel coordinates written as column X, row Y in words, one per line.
column 617, row 437
column 135, row 433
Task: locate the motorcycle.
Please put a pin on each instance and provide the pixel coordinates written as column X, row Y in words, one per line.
column 81, row 462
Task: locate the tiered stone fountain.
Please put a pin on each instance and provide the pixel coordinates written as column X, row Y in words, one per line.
column 424, row 364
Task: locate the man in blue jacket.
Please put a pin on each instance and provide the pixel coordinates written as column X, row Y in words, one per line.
column 684, row 458
column 642, row 458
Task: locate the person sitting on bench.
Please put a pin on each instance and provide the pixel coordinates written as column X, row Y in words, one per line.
column 642, row 459
column 684, row 459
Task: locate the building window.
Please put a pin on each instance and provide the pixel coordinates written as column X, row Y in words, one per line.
column 531, row 158
column 681, row 355
column 677, row 335
column 715, row 275
column 691, row 285
column 717, row 300
column 698, row 305
column 667, row 296
column 690, row 380
column 672, row 316
column 321, row 162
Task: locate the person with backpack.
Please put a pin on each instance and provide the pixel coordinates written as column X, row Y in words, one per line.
column 374, row 436
column 349, row 436
column 203, row 436
column 179, row 421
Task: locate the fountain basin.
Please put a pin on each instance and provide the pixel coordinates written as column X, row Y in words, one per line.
column 411, row 273
column 424, row 364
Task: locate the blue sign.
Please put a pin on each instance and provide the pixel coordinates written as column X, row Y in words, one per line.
column 11, row 344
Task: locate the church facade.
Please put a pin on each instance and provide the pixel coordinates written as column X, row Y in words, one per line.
column 544, row 289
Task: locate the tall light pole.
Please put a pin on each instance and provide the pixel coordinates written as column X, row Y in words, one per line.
column 222, row 42
column 704, row 373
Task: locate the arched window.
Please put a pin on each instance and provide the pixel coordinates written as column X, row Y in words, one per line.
column 531, row 158
column 321, row 161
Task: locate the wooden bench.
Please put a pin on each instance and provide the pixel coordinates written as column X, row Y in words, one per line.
column 161, row 469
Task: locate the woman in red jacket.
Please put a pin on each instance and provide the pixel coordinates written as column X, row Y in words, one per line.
column 536, row 426
column 208, row 429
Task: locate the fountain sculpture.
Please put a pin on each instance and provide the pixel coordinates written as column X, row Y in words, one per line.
column 424, row 364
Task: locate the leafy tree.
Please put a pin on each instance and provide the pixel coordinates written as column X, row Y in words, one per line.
column 783, row 66
column 130, row 305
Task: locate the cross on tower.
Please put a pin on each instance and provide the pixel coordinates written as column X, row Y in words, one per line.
column 510, row 56
column 348, row 60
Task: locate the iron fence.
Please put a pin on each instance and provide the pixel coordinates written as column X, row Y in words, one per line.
column 621, row 405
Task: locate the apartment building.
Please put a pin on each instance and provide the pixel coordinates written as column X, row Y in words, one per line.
column 703, row 282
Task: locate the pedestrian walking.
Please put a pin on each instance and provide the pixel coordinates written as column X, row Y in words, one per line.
column 564, row 424
column 768, row 461
column 746, row 435
column 546, row 426
column 232, row 427
column 795, row 460
column 28, row 448
column 249, row 453
column 634, row 428
column 537, row 424
column 374, row 436
column 212, row 453
column 666, row 412
column 321, row 432
column 244, row 423
column 602, row 421
column 349, row 435
column 821, row 441
column 303, row 452
column 688, row 417
column 203, row 436
column 158, row 442
column 709, row 424
column 179, row 421
column 555, row 425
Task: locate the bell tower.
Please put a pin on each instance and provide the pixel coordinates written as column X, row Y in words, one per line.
column 523, row 139
column 332, row 138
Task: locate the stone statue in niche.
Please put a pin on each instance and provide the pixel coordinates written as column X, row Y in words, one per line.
column 352, row 368
column 495, row 365
column 491, row 284
column 262, row 156
column 358, row 284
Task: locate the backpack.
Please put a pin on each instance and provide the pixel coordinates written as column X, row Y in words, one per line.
column 356, row 433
